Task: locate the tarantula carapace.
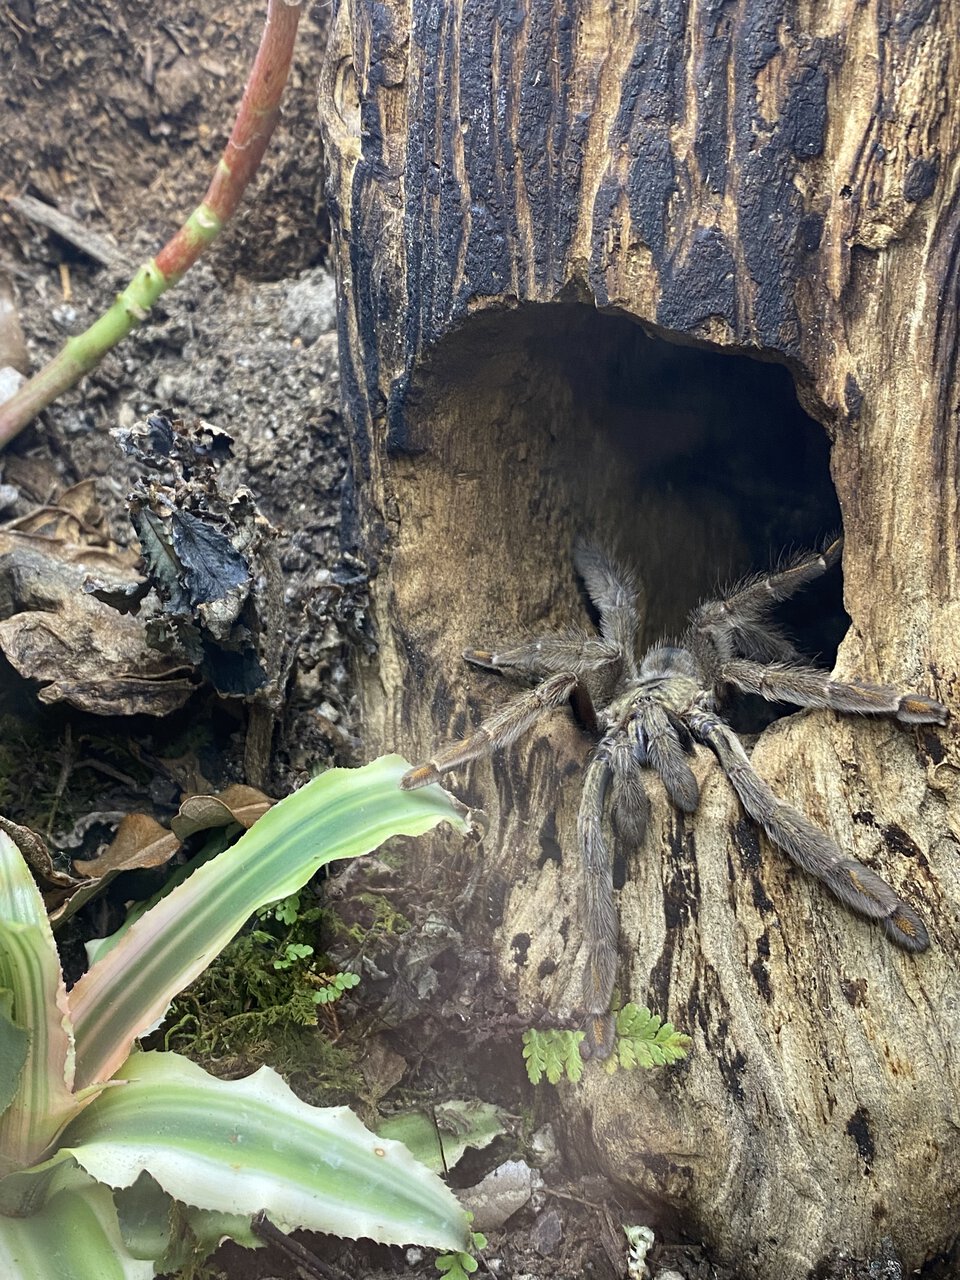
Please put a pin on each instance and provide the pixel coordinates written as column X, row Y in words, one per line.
column 651, row 714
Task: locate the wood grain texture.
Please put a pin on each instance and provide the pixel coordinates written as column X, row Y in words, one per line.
column 770, row 180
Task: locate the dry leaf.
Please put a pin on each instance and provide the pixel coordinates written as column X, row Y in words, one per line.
column 37, row 855
column 95, row 659
column 236, row 804
column 140, row 842
column 382, row 1068
column 74, row 517
column 57, row 632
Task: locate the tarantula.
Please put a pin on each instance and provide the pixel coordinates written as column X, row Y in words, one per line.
column 652, row 714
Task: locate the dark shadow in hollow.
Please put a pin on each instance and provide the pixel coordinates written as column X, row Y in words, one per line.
column 713, row 427
column 695, row 465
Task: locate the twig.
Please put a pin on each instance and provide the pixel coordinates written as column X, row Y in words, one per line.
column 13, row 349
column 74, row 232
column 306, row 1261
column 256, row 120
column 67, row 762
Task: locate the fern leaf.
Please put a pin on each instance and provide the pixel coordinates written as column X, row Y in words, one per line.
column 535, row 1057
column 643, row 1040
column 553, row 1054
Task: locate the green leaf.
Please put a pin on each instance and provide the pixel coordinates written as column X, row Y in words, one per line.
column 30, row 973
column 337, row 984
column 342, row 814
column 74, row 1236
column 242, row 1146
column 553, row 1054
column 642, row 1040
column 14, row 1042
column 147, row 1218
column 534, row 1053
column 293, row 952
column 156, row 1226
column 288, row 910
column 457, row 1266
column 457, row 1124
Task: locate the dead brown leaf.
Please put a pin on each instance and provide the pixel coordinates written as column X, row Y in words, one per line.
column 236, row 804
column 95, row 659
column 382, row 1068
column 140, row 842
column 75, row 517
column 36, row 854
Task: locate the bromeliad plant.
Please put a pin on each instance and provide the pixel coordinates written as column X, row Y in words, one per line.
column 121, row 1164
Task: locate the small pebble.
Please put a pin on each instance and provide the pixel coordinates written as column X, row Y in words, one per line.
column 11, row 380
column 543, row 1145
column 501, row 1193
column 310, row 308
column 546, row 1233
column 64, row 317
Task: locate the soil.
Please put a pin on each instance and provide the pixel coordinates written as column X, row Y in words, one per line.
column 114, row 113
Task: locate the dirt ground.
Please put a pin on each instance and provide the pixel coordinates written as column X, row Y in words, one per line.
column 114, row 114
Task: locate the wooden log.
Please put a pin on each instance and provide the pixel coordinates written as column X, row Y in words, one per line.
column 533, row 203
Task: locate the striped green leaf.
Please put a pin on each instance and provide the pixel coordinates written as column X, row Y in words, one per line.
column 342, row 814
column 36, row 1005
column 75, row 1236
column 242, row 1146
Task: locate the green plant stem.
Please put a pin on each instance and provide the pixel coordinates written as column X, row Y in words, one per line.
column 256, row 120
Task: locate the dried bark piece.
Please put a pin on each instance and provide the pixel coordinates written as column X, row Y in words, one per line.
column 94, row 659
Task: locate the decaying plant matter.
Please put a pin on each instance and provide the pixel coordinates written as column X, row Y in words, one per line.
column 652, row 713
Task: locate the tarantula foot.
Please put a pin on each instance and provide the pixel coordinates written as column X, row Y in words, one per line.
column 906, row 929
column 916, row 708
column 598, row 1042
column 419, row 777
column 685, row 792
column 479, row 657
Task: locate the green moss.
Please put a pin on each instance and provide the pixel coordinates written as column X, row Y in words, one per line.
column 270, row 997
column 379, row 917
column 274, row 996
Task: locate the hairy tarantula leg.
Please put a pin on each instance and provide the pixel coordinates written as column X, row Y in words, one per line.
column 559, row 653
column 736, row 622
column 810, row 687
column 767, row 589
column 600, row 927
column 658, row 744
column 619, row 598
column 498, row 730
column 631, row 804
column 806, row 845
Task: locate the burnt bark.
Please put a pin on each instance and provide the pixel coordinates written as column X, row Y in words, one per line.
column 532, row 203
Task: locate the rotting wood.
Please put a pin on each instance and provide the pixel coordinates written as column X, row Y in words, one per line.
column 772, row 183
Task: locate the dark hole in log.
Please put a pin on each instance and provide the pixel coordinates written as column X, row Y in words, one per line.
column 534, row 426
